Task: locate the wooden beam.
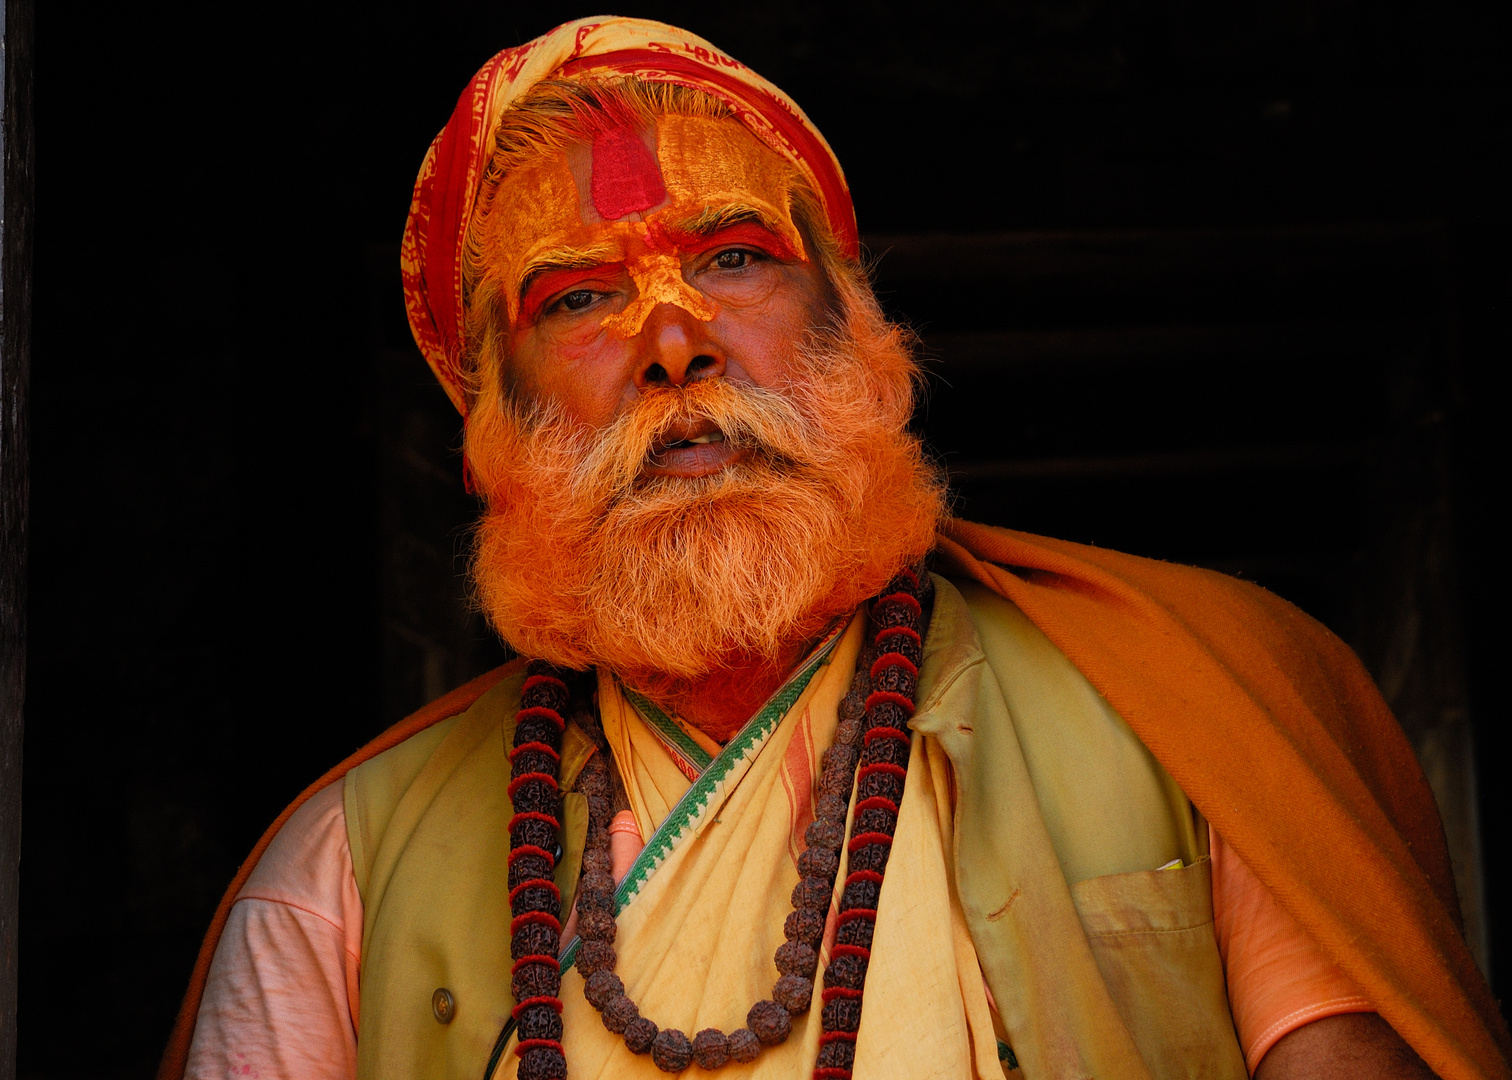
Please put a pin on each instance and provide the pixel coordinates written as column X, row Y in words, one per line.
column 1239, row 459
column 1012, row 258
column 1267, row 346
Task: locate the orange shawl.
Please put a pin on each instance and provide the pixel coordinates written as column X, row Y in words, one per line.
column 1268, row 723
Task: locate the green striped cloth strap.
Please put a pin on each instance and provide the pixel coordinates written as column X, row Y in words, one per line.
column 676, row 740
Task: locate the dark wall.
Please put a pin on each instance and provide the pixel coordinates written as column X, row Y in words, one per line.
column 223, row 411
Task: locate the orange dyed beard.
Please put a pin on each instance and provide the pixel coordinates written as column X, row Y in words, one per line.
column 582, row 559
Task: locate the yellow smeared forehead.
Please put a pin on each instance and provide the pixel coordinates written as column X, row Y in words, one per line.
column 544, row 215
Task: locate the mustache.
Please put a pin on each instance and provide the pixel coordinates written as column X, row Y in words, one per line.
column 775, row 425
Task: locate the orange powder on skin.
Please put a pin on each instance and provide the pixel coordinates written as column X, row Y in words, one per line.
column 658, row 277
column 545, row 218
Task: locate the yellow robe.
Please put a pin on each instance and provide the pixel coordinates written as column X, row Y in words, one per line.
column 1214, row 676
column 1101, row 964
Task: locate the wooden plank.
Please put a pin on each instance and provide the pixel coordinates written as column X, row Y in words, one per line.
column 1022, row 256
column 1236, row 459
column 1274, row 345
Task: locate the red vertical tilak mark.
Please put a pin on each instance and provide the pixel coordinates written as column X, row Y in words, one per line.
column 625, row 175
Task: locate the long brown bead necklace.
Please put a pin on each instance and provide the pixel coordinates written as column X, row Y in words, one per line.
column 873, row 734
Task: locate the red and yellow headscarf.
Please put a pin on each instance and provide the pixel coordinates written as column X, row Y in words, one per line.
column 446, row 191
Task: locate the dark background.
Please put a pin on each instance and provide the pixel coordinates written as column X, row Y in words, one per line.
column 1235, row 292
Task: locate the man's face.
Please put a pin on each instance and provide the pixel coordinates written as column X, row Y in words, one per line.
column 694, row 458
column 649, row 259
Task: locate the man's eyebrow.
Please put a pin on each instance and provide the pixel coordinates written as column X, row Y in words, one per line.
column 564, row 258
column 714, row 218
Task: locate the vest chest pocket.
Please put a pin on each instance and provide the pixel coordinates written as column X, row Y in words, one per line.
column 1152, row 936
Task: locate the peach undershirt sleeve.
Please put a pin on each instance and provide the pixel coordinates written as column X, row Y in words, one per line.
column 1278, row 979
column 281, row 1002
column 281, row 999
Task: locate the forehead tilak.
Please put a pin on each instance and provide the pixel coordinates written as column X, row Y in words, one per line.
column 625, row 178
column 576, row 203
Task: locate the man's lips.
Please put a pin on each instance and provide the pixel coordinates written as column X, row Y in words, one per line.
column 691, row 448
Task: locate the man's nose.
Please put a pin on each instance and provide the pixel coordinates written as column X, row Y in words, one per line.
column 678, row 349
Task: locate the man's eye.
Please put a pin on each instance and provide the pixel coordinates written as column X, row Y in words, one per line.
column 733, row 259
column 578, row 299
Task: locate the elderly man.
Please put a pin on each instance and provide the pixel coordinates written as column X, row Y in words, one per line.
column 799, row 777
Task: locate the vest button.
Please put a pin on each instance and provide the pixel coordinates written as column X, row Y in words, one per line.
column 443, row 1005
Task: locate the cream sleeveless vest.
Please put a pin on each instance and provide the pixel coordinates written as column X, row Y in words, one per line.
column 1100, row 963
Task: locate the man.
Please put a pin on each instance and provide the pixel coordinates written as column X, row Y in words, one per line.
column 771, row 796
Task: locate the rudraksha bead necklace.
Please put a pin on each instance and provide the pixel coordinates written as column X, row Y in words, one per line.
column 873, row 733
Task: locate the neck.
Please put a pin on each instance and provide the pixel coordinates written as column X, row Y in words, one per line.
column 720, row 703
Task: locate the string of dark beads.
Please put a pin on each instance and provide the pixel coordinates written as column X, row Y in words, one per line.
column 893, row 666
column 872, row 733
column 535, row 903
